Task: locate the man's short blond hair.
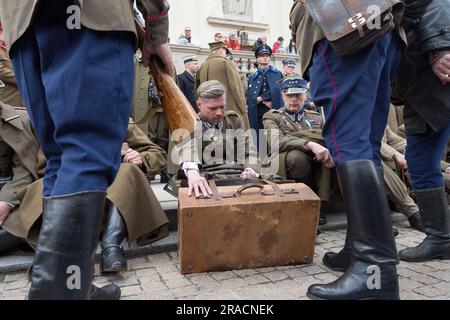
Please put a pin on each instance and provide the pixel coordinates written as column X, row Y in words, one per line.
column 212, row 89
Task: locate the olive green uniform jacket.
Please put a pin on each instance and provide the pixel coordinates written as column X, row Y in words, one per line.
column 237, row 152
column 294, row 135
column 100, row 15
column 130, row 192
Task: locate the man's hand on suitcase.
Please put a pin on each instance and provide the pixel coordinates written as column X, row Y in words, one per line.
column 198, row 184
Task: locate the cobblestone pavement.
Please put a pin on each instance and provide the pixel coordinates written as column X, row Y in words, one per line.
column 158, row 277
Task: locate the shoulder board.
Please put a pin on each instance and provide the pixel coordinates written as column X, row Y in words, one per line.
column 20, row 108
column 312, row 112
column 279, row 111
column 231, row 113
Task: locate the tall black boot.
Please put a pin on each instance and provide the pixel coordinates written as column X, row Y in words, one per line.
column 373, row 272
column 8, row 241
column 342, row 260
column 435, row 217
column 112, row 259
column 63, row 263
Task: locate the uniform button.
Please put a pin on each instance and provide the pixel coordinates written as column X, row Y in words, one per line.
column 142, row 98
column 153, row 37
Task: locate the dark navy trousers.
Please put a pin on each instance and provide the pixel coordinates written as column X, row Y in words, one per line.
column 355, row 93
column 423, row 154
column 78, row 86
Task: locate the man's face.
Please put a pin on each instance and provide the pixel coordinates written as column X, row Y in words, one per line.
column 192, row 67
column 218, row 37
column 187, row 32
column 294, row 102
column 264, row 40
column 222, row 52
column 213, row 109
column 264, row 60
column 288, row 69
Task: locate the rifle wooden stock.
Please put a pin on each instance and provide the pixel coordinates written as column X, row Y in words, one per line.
column 178, row 110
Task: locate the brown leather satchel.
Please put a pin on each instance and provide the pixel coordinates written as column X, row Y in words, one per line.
column 352, row 25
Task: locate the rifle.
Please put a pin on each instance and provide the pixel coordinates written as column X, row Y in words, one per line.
column 178, row 110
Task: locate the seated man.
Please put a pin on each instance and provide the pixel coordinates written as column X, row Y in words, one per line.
column 19, row 158
column 303, row 155
column 220, row 148
column 133, row 211
column 394, row 163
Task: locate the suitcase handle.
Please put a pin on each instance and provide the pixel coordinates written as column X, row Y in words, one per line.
column 239, row 191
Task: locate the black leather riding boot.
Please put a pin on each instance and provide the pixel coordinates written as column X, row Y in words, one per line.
column 373, row 272
column 8, row 241
column 63, row 264
column 112, row 259
column 435, row 217
column 342, row 260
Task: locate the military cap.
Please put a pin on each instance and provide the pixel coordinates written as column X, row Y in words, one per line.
column 190, row 58
column 289, row 63
column 293, row 85
column 262, row 50
column 217, row 45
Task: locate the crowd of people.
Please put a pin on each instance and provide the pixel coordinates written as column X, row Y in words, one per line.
column 232, row 42
column 329, row 126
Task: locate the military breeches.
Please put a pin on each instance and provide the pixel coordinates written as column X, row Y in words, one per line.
column 355, row 94
column 301, row 167
column 298, row 164
column 398, row 192
column 77, row 85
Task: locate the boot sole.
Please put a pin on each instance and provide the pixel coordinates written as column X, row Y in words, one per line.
column 113, row 269
column 313, row 297
column 440, row 257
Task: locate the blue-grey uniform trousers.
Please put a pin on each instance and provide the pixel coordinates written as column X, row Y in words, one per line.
column 77, row 86
column 355, row 92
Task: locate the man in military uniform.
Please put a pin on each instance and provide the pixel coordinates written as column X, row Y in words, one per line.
column 80, row 116
column 263, row 90
column 423, row 87
column 215, row 154
column 186, row 80
column 303, row 154
column 354, row 93
column 133, row 212
column 218, row 67
column 19, row 154
column 288, row 67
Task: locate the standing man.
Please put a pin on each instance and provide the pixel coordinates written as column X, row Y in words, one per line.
column 288, row 67
column 80, row 116
column 423, row 85
column 355, row 93
column 186, row 80
column 187, row 37
column 264, row 92
column 218, row 67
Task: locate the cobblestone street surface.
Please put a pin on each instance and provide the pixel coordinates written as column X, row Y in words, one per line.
column 158, row 277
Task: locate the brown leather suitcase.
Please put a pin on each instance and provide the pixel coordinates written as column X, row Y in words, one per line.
column 248, row 226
